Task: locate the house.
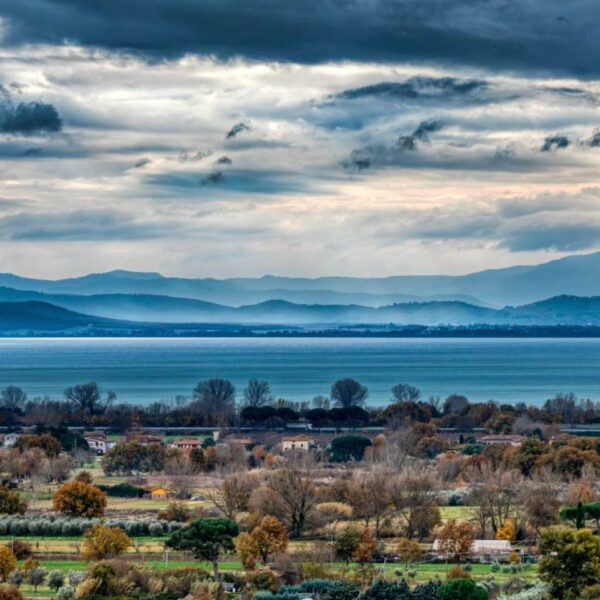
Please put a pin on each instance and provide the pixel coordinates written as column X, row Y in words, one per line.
column 187, row 444
column 509, row 440
column 483, row 550
column 159, row 493
column 10, row 439
column 98, row 442
column 491, row 550
column 297, row 442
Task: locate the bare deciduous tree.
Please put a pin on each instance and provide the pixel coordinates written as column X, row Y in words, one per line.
column 233, row 495
column 290, row 493
column 369, row 495
column 257, row 393
column 414, row 494
column 494, row 496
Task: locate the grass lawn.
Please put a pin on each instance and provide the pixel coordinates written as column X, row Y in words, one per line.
column 460, row 513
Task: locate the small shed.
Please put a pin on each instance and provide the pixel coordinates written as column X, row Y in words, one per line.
column 159, row 493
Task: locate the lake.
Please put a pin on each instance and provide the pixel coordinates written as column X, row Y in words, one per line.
column 144, row 370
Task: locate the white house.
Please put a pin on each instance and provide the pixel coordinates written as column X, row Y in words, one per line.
column 297, row 442
column 10, row 439
column 97, row 442
column 187, row 444
column 491, row 549
column 484, row 550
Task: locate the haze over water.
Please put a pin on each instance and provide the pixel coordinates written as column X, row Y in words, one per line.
column 146, row 370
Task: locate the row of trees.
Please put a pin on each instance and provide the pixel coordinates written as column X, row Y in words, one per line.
column 213, row 402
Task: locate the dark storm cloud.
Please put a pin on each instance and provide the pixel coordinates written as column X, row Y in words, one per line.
column 416, row 88
column 214, row 177
column 528, row 34
column 141, row 163
column 236, row 129
column 374, row 155
column 594, row 141
column 28, row 118
column 555, row 142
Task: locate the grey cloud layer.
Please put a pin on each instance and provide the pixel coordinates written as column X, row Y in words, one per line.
column 527, row 34
column 268, row 159
column 547, row 222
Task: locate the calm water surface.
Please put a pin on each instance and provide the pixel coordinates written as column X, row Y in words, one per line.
column 144, row 370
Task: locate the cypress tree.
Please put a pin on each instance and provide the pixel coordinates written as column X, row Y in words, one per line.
column 580, row 519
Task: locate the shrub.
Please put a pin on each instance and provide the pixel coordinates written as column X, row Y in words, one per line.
column 10, row 592
column 56, row 579
column 455, row 500
column 20, row 548
column 75, row 577
column 66, row 592
column 263, row 579
column 457, row 572
column 122, row 490
column 175, row 511
column 426, row 591
column 16, row 577
column 461, row 589
column 155, row 529
column 386, row 590
column 11, row 502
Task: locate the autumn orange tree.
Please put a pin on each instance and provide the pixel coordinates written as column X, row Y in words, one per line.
column 8, row 562
column 408, row 550
column 100, row 542
column 507, row 531
column 79, row 499
column 246, row 549
column 366, row 548
column 10, row 592
column 269, row 536
column 455, row 538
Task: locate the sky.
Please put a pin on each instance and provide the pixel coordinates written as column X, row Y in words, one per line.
column 297, row 137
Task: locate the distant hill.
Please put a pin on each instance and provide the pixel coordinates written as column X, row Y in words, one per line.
column 43, row 317
column 164, row 314
column 577, row 274
column 564, row 310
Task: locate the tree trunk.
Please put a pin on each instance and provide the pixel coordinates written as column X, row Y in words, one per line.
column 215, row 564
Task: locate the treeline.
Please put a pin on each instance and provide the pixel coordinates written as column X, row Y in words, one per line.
column 215, row 403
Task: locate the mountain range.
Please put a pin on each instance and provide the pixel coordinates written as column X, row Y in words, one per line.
column 564, row 293
column 572, row 275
